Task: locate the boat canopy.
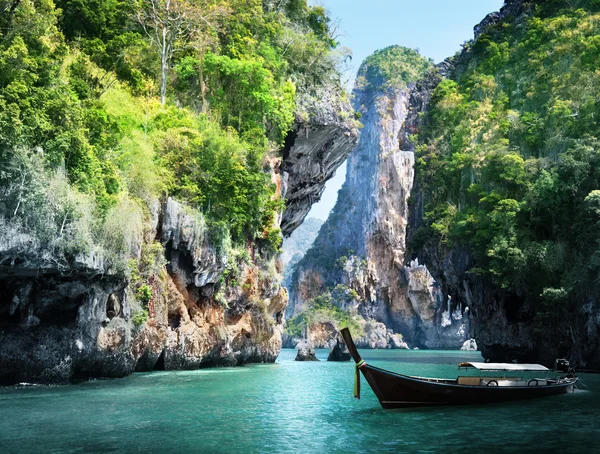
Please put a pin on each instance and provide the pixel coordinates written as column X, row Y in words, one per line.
column 505, row 366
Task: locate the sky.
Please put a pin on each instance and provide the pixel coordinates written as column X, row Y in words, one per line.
column 436, row 27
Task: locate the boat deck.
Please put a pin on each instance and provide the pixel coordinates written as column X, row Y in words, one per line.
column 490, row 381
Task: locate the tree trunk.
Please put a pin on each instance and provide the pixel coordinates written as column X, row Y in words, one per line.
column 163, row 67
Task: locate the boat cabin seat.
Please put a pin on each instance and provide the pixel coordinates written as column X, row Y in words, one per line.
column 469, row 381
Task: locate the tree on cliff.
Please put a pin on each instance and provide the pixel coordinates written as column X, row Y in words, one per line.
column 172, row 23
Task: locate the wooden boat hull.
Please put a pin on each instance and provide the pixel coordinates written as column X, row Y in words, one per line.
column 402, row 391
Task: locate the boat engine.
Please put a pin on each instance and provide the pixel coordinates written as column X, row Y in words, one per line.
column 562, row 365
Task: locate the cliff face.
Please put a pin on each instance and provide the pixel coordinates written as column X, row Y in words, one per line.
column 100, row 274
column 62, row 324
column 514, row 320
column 313, row 151
column 64, row 318
column 362, row 244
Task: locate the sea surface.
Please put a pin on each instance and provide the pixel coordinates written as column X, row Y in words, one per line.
column 290, row 407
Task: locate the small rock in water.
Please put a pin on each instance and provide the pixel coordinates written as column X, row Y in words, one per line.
column 397, row 342
column 469, row 345
column 306, row 352
column 339, row 352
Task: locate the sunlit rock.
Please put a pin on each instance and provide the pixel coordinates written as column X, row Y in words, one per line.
column 306, row 352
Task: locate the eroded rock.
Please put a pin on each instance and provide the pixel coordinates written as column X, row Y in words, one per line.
column 339, row 352
column 312, row 155
column 306, row 352
column 362, row 245
column 59, row 327
column 469, row 346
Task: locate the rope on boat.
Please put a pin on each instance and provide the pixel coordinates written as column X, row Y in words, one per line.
column 360, row 364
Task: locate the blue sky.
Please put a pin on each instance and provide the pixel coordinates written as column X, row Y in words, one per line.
column 436, row 27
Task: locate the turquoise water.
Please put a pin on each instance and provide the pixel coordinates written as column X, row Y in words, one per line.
column 286, row 407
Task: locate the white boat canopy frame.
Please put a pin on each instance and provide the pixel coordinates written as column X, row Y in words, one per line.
column 505, row 366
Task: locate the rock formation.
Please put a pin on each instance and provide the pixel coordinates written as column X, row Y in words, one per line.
column 339, row 352
column 501, row 320
column 59, row 325
column 312, row 153
column 362, row 244
column 469, row 345
column 67, row 315
column 67, row 318
column 306, row 352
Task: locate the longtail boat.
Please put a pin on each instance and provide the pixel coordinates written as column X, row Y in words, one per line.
column 505, row 384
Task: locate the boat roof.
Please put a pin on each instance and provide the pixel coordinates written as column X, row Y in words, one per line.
column 505, row 366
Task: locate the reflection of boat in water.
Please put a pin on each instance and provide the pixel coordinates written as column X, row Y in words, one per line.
column 506, row 382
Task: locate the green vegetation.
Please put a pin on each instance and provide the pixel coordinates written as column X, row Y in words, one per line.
column 325, row 309
column 509, row 158
column 393, row 66
column 99, row 117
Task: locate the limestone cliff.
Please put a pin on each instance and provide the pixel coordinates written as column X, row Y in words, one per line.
column 317, row 145
column 60, row 324
column 140, row 231
column 362, row 244
column 66, row 317
column 505, row 319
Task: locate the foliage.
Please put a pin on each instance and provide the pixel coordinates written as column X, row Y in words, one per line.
column 219, row 174
column 237, row 260
column 149, row 266
column 509, row 157
column 99, row 118
column 244, row 94
column 47, row 217
column 393, row 66
column 139, row 317
column 324, row 309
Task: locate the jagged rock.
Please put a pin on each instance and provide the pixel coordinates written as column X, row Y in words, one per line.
column 379, row 336
column 469, row 345
column 500, row 319
column 376, row 336
column 57, row 330
column 323, row 335
column 510, row 8
column 306, row 352
column 339, row 352
column 395, row 341
column 312, row 155
column 191, row 255
column 60, row 327
column 370, row 222
column 322, row 137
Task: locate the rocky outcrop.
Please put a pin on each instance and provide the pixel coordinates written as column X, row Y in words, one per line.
column 311, row 157
column 377, row 335
column 339, row 352
column 511, row 8
column 66, row 318
column 55, row 327
column 324, row 133
column 61, row 324
column 501, row 320
column 79, row 315
column 362, row 245
column 469, row 346
column 306, row 352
